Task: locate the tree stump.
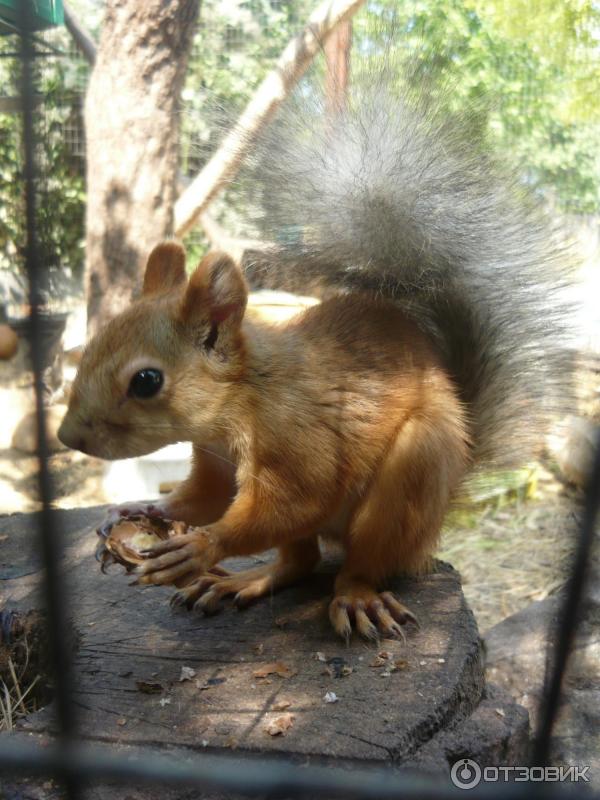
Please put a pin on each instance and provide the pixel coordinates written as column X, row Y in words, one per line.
column 169, row 679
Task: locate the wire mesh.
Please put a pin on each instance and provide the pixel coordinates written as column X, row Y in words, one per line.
column 77, row 765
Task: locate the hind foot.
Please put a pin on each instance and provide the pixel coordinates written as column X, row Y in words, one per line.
column 372, row 614
column 207, row 592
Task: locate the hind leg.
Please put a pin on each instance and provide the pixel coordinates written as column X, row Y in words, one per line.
column 396, row 526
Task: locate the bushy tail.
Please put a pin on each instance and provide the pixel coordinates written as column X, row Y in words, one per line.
column 391, row 198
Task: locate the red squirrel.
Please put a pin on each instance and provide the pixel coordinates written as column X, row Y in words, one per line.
column 437, row 345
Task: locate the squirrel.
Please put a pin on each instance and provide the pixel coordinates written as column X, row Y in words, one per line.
column 438, row 347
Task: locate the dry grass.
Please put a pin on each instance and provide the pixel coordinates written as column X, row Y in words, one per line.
column 514, row 549
column 16, row 700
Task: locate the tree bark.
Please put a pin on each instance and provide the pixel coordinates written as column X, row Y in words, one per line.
column 132, row 133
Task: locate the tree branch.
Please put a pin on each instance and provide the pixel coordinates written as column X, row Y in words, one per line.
column 220, row 239
column 290, row 67
column 81, row 36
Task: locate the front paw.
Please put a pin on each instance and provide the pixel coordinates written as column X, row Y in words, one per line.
column 180, row 559
column 116, row 514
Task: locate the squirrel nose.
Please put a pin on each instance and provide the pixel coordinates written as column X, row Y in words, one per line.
column 70, row 434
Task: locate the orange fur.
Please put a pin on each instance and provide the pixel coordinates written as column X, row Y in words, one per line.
column 341, row 423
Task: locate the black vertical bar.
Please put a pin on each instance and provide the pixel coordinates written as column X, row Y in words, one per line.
column 49, row 532
column 569, row 617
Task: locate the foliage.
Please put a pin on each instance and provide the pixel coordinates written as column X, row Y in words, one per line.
column 60, row 197
column 527, row 74
column 11, row 206
column 531, row 86
column 237, row 43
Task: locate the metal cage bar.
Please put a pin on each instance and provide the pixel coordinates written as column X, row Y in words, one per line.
column 75, row 764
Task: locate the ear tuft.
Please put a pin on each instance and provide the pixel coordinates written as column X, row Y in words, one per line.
column 216, row 293
column 165, row 270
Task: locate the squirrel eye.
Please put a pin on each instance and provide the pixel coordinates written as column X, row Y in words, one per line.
column 146, row 383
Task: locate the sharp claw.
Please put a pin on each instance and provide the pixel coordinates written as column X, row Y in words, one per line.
column 182, row 599
column 383, row 615
column 345, row 632
column 208, row 604
column 241, row 601
column 407, row 617
column 398, row 631
column 371, row 633
column 340, row 619
column 142, row 580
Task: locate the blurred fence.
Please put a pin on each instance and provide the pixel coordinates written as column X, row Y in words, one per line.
column 78, row 765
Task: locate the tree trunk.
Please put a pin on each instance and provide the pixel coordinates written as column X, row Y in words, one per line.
column 132, row 131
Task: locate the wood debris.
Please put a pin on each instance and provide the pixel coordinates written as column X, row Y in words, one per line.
column 210, row 683
column 337, row 667
column 385, row 661
column 187, row 673
column 147, row 687
column 278, row 668
column 280, row 725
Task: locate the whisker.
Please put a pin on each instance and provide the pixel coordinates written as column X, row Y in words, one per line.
column 229, row 461
column 158, row 427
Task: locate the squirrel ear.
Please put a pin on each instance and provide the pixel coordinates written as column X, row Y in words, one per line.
column 165, row 269
column 216, row 294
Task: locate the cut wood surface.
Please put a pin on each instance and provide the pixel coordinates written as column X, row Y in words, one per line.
column 270, row 679
column 290, row 67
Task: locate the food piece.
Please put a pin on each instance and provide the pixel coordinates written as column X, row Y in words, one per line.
column 129, row 538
